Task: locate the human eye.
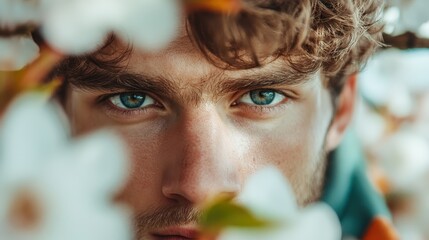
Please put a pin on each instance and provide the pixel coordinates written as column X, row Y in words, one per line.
column 262, row 98
column 130, row 106
column 131, row 101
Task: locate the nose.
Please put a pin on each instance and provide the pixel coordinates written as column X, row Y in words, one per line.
column 205, row 161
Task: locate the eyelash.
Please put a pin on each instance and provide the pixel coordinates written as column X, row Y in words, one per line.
column 261, row 108
column 265, row 109
column 104, row 102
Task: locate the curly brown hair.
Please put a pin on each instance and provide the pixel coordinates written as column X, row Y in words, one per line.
column 335, row 37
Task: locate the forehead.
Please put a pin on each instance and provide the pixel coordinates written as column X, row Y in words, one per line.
column 179, row 61
column 183, row 63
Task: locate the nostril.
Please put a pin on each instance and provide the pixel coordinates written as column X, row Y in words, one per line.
column 174, row 196
column 179, row 199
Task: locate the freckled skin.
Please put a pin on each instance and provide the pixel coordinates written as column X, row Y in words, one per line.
column 200, row 144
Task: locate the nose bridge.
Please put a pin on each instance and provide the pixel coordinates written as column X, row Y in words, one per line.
column 203, row 135
column 204, row 157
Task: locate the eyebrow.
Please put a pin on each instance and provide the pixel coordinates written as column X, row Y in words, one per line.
column 101, row 80
column 273, row 78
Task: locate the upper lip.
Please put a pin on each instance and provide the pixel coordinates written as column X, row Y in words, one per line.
column 184, row 232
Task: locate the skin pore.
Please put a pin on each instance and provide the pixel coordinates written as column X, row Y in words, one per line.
column 195, row 130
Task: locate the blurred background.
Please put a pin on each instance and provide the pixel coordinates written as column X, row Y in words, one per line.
column 392, row 119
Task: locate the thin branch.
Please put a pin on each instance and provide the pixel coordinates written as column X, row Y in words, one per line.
column 406, row 40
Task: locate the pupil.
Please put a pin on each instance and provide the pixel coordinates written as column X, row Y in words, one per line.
column 132, row 100
column 262, row 97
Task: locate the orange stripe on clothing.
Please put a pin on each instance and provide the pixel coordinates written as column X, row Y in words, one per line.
column 380, row 229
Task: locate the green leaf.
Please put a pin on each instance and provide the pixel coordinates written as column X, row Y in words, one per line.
column 222, row 212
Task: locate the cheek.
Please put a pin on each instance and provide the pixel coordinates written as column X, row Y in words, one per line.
column 146, row 150
column 84, row 116
column 143, row 149
column 295, row 142
column 288, row 147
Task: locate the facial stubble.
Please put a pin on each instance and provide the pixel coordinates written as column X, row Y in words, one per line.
column 307, row 191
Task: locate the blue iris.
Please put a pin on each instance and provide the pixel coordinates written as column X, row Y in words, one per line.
column 132, row 100
column 262, row 97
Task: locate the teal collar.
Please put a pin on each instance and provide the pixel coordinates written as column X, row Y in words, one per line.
column 348, row 190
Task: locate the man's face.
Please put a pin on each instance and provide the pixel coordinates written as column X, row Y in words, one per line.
column 195, row 130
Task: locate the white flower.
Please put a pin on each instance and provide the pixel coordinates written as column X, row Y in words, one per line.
column 406, row 15
column 393, row 78
column 370, row 126
column 19, row 12
column 391, row 17
column 422, row 115
column 52, row 188
column 404, row 157
column 16, row 52
column 412, row 221
column 268, row 195
column 80, row 26
column 150, row 24
column 413, row 14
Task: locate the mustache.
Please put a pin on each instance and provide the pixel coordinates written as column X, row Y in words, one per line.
column 165, row 217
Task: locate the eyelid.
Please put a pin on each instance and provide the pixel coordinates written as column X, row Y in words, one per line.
column 105, row 100
column 248, row 92
column 115, row 100
column 130, row 115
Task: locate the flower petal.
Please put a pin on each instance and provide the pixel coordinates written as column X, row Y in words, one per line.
column 102, row 155
column 76, row 27
column 16, row 52
column 18, row 12
column 315, row 222
column 150, row 24
column 269, row 196
column 322, row 221
column 31, row 131
column 404, row 158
